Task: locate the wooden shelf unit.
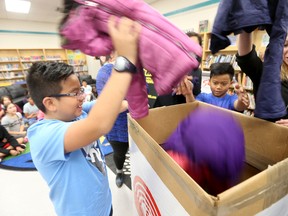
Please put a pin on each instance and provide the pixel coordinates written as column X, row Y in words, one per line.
column 14, row 63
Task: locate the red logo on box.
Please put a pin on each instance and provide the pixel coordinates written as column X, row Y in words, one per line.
column 144, row 201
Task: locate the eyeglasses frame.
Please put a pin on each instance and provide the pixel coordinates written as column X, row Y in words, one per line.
column 78, row 94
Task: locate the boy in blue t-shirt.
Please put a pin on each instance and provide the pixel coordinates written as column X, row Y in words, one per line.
column 221, row 76
column 64, row 145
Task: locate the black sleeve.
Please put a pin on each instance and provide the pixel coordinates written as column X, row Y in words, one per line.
column 5, row 151
column 252, row 66
column 10, row 139
column 197, row 80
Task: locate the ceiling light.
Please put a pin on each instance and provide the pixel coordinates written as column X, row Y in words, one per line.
column 18, row 6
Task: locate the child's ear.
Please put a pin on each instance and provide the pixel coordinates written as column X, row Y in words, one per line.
column 49, row 103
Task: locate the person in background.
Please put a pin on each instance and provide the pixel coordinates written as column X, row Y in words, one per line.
column 118, row 136
column 103, row 59
column 221, row 76
column 6, row 99
column 40, row 115
column 30, row 111
column 14, row 123
column 195, row 76
column 87, row 90
column 252, row 66
column 64, row 145
column 8, row 144
column 2, row 112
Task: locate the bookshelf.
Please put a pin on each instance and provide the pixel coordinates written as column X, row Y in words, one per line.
column 14, row 63
column 260, row 39
column 78, row 61
column 226, row 55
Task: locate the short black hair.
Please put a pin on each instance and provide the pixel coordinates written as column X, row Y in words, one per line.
column 194, row 34
column 221, row 68
column 44, row 79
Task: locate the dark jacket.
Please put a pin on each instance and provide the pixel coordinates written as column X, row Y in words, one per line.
column 252, row 66
column 239, row 15
column 236, row 15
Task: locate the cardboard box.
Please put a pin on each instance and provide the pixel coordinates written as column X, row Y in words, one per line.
column 161, row 187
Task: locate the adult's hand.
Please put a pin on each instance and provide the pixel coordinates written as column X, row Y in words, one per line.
column 283, row 122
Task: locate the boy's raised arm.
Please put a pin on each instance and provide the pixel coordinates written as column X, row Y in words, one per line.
column 124, row 34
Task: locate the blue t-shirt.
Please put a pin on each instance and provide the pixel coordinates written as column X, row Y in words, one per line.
column 119, row 132
column 225, row 102
column 77, row 180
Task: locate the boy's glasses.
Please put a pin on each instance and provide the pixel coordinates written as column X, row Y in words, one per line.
column 78, row 94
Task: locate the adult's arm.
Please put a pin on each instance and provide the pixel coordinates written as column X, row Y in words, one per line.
column 248, row 60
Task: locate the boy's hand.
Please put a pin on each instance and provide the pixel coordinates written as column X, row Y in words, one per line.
column 242, row 96
column 185, row 87
column 124, row 35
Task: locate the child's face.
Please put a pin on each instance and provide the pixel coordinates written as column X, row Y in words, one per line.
column 30, row 100
column 84, row 83
column 6, row 101
column 11, row 109
column 69, row 107
column 220, row 84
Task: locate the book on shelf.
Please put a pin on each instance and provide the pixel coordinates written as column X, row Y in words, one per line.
column 221, row 58
column 19, row 74
column 27, row 65
column 9, row 67
column 203, row 26
column 5, row 75
column 2, row 75
column 233, row 40
column 53, row 57
column 244, row 81
column 265, row 40
column 32, row 58
column 8, row 58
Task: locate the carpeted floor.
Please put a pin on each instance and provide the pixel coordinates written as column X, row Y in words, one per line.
column 23, row 162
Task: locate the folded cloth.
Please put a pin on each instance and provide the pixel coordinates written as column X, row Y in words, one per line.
column 164, row 50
